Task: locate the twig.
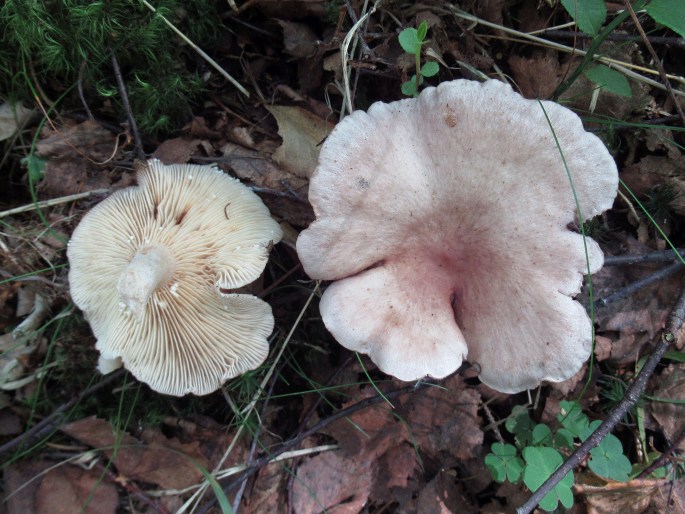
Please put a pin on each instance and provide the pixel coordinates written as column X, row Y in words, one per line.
column 138, row 142
column 632, row 395
column 648, row 258
column 657, row 61
column 50, row 423
column 639, row 284
column 616, row 36
column 661, row 460
column 79, row 85
column 623, row 67
column 52, row 202
column 199, row 50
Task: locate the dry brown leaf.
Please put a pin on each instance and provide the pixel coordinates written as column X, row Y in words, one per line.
column 671, row 416
column 444, row 420
column 287, row 196
column 62, row 490
column 69, row 489
column 72, row 157
column 302, row 133
column 537, row 76
column 178, row 150
column 165, row 462
column 335, row 483
column 627, row 498
column 299, row 40
column 268, row 491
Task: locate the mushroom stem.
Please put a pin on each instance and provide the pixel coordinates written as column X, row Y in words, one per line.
column 150, row 268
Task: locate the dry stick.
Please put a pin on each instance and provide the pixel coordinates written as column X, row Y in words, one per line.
column 661, row 460
column 570, row 34
column 639, row 284
column 52, row 202
column 50, row 423
column 140, row 154
column 657, row 61
column 632, row 395
column 648, row 258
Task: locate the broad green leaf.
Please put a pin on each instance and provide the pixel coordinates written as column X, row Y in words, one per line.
column 409, row 87
column 504, row 463
column 35, row 166
column 430, row 69
column 670, row 13
column 564, row 439
column 541, row 462
column 607, row 460
column 520, row 424
column 422, row 31
column 572, row 418
column 588, row 14
column 675, row 356
column 542, row 435
column 409, row 41
column 609, row 79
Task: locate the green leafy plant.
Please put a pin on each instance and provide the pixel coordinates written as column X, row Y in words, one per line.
column 412, row 41
column 539, row 450
column 591, row 15
column 55, row 44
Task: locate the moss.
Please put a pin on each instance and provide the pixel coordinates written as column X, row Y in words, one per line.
column 53, row 43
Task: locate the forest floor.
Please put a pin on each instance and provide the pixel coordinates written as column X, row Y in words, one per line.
column 318, row 428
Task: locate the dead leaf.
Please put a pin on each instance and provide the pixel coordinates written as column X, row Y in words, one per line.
column 333, row 482
column 670, row 416
column 625, row 497
column 178, row 150
column 444, row 421
column 62, row 490
column 299, row 40
column 161, row 461
column 69, row 489
column 73, row 158
column 268, row 492
column 536, row 76
column 12, row 118
column 302, row 133
column 284, row 193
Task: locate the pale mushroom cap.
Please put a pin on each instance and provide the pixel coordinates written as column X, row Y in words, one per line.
column 186, row 336
column 445, row 221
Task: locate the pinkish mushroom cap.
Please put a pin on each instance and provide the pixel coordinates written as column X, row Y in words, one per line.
column 150, row 267
column 444, row 222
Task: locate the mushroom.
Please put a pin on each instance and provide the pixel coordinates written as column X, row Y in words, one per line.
column 155, row 267
column 444, row 222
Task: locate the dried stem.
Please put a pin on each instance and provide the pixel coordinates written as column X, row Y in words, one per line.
column 657, row 61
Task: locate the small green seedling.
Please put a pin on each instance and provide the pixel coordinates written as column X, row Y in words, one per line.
column 538, row 451
column 412, row 40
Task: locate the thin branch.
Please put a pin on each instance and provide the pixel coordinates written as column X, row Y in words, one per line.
column 663, row 458
column 648, row 258
column 616, row 36
column 657, row 61
column 199, row 50
column 140, row 154
column 52, row 202
column 639, row 284
column 632, row 395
